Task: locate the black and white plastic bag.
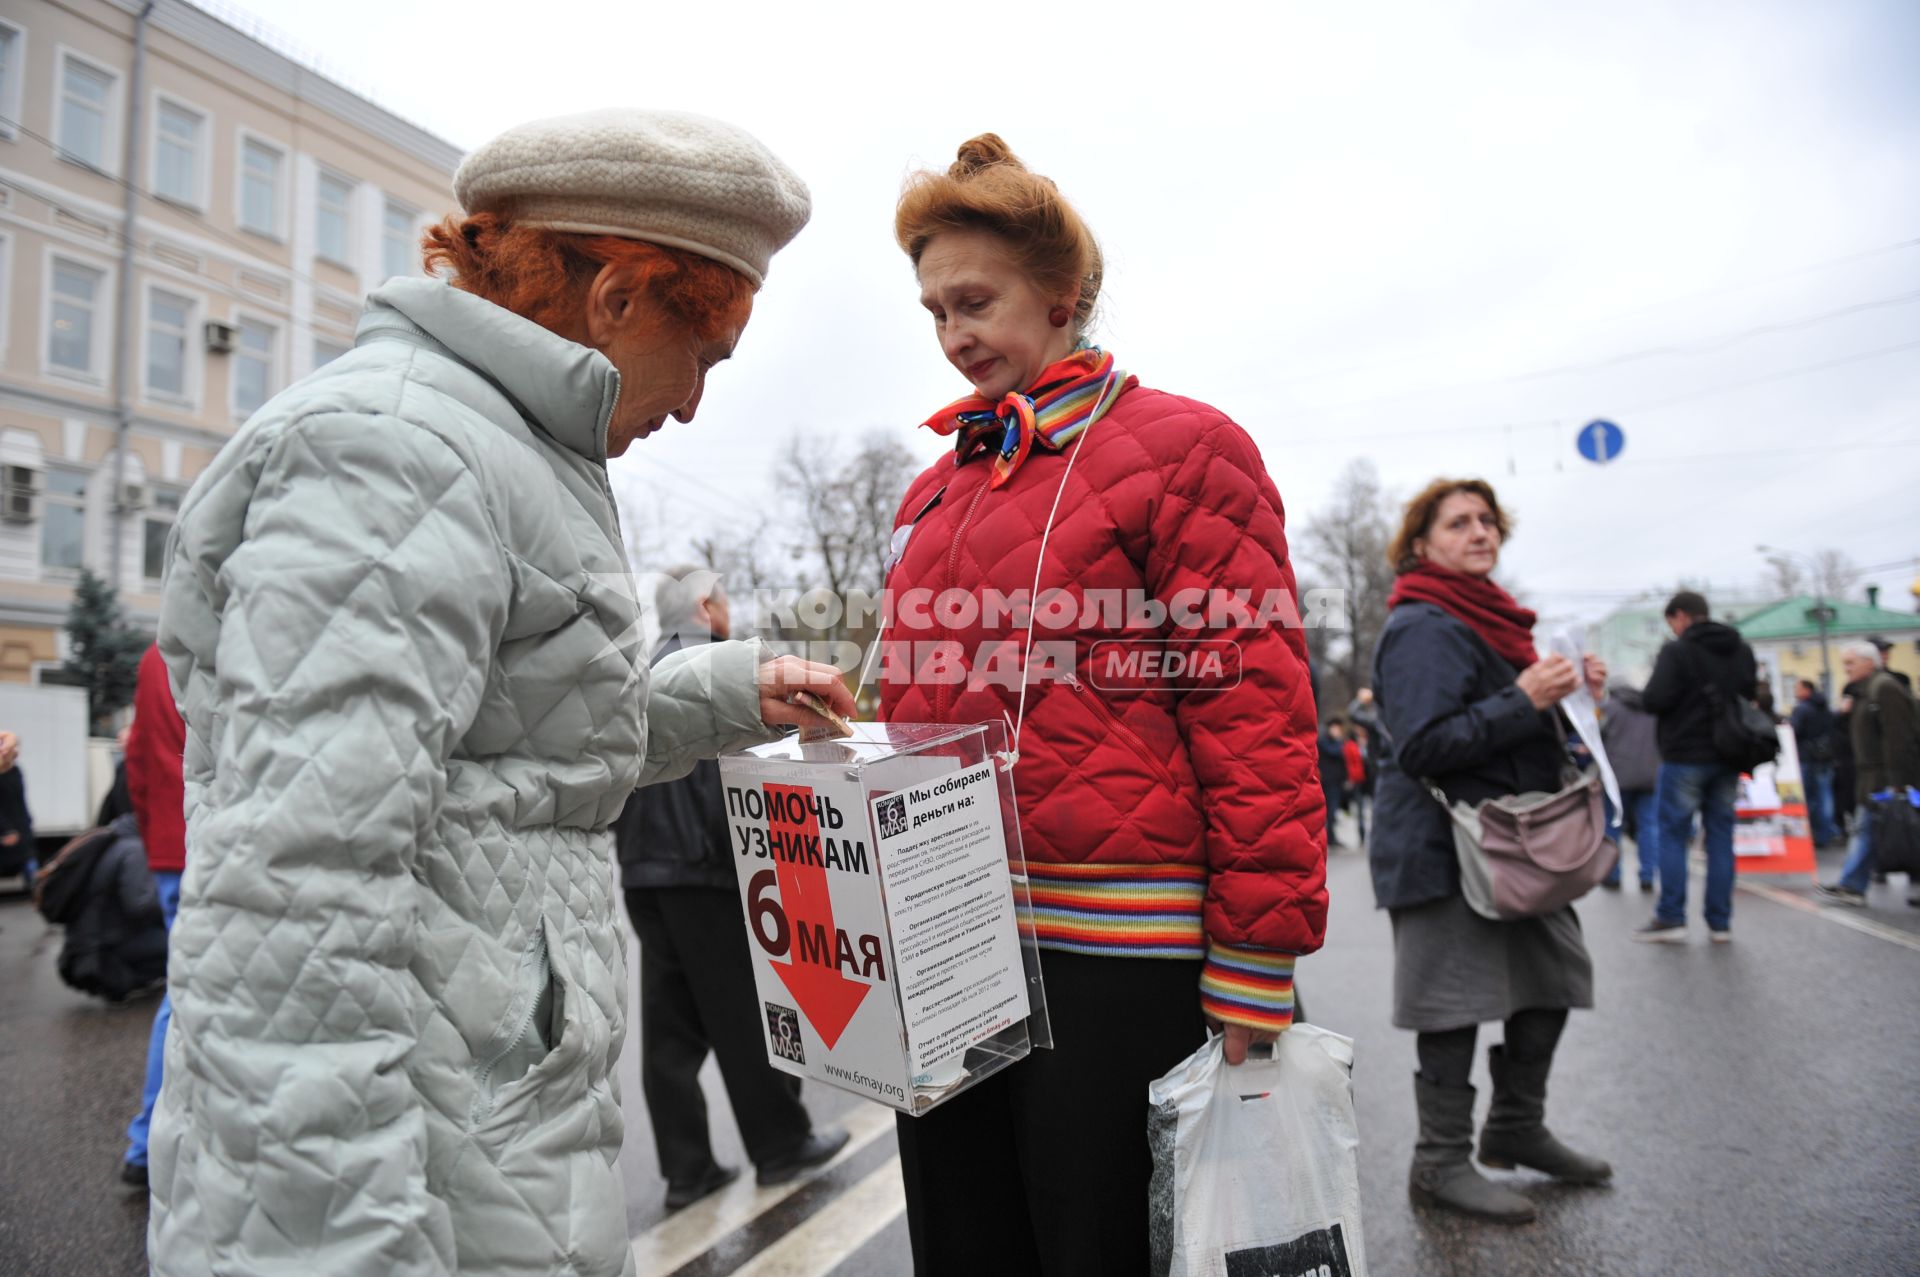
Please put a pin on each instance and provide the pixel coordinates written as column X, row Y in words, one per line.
column 1256, row 1166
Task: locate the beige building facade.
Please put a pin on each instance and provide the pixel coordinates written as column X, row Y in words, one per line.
column 266, row 201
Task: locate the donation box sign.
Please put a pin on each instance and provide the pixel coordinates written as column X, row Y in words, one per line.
column 883, row 895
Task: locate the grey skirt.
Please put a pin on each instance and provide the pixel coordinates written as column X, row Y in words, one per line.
column 1452, row 968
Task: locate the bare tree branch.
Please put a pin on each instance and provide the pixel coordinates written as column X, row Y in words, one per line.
column 1345, row 546
column 1835, row 576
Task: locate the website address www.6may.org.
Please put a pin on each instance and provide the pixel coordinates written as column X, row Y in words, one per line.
column 872, row 1086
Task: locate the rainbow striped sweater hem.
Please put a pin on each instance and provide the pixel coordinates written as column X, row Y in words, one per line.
column 1154, row 911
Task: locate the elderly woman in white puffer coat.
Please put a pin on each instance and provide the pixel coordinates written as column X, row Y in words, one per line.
column 399, row 624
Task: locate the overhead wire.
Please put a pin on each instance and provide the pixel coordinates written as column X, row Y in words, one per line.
column 1703, row 346
column 690, row 477
column 704, row 505
column 1441, row 434
column 1660, row 304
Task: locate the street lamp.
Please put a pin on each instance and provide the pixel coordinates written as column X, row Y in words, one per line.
column 1820, row 613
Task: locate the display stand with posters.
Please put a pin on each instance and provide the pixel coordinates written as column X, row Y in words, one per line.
column 1770, row 832
column 886, row 905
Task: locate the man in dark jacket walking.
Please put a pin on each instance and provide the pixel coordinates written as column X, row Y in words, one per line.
column 696, row 975
column 1813, row 741
column 1886, row 750
column 1693, row 680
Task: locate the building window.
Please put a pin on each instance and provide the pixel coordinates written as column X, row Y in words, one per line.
column 74, row 323
column 260, row 187
column 331, row 222
column 13, row 44
column 176, row 153
column 155, row 527
column 252, row 366
column 63, row 525
column 399, row 247
column 169, row 325
column 85, row 96
column 325, row 352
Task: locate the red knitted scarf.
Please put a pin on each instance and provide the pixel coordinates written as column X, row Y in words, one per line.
column 1484, row 607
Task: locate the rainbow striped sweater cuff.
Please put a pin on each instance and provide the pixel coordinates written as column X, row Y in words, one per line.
column 1119, row 911
column 1253, row 987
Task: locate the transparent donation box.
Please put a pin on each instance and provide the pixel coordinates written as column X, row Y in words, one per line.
column 886, row 908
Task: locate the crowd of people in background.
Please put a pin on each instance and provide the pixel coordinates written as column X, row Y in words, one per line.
column 1874, row 716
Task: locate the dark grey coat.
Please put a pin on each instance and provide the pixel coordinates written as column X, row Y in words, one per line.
column 1450, row 712
column 675, row 834
column 1629, row 733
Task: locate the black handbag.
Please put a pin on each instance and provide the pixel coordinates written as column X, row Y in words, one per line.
column 1896, row 832
column 1744, row 735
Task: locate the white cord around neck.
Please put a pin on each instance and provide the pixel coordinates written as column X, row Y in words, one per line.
column 1011, row 755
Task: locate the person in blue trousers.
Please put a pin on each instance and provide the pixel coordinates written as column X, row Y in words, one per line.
column 1813, row 739
column 1693, row 678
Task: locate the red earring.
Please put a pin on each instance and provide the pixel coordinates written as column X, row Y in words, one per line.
column 1059, row 316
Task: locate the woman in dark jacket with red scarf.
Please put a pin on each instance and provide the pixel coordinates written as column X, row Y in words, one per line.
column 1467, row 704
column 1104, row 566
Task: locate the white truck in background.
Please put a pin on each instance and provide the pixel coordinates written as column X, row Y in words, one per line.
column 67, row 771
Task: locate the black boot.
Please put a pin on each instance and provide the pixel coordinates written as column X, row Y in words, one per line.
column 1516, row 1132
column 1442, row 1175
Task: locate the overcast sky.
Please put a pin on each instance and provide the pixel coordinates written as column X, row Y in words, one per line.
column 1442, row 236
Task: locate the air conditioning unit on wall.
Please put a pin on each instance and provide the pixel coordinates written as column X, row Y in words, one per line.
column 220, row 336
column 19, row 494
column 134, row 496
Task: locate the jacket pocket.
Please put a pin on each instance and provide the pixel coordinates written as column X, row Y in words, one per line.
column 531, row 1044
column 1147, row 757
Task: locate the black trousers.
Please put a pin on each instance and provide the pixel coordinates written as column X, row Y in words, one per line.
column 696, row 994
column 1043, row 1168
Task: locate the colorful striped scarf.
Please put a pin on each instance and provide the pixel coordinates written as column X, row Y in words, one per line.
column 1066, row 398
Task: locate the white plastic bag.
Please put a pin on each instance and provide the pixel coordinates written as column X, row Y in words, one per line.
column 1256, row 1167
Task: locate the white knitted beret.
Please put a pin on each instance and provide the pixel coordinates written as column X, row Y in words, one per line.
column 666, row 177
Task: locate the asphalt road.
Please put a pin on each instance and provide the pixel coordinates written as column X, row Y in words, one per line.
column 1757, row 1101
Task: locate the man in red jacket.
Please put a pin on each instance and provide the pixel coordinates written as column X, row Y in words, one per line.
column 154, row 745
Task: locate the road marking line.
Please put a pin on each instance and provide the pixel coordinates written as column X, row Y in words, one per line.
column 691, row 1232
column 1839, row 915
column 835, row 1233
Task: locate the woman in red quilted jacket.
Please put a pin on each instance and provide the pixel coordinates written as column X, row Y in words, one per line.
column 1104, row 566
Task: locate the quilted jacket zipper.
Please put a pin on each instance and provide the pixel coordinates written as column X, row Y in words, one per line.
column 535, row 964
column 1118, row 726
column 943, row 696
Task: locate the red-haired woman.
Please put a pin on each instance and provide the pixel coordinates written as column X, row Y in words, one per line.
column 398, row 629
column 1468, row 705
column 1173, row 826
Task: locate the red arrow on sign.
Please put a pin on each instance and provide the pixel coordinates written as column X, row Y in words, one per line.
column 827, row 998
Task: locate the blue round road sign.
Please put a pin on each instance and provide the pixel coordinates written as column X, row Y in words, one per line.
column 1600, row 441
